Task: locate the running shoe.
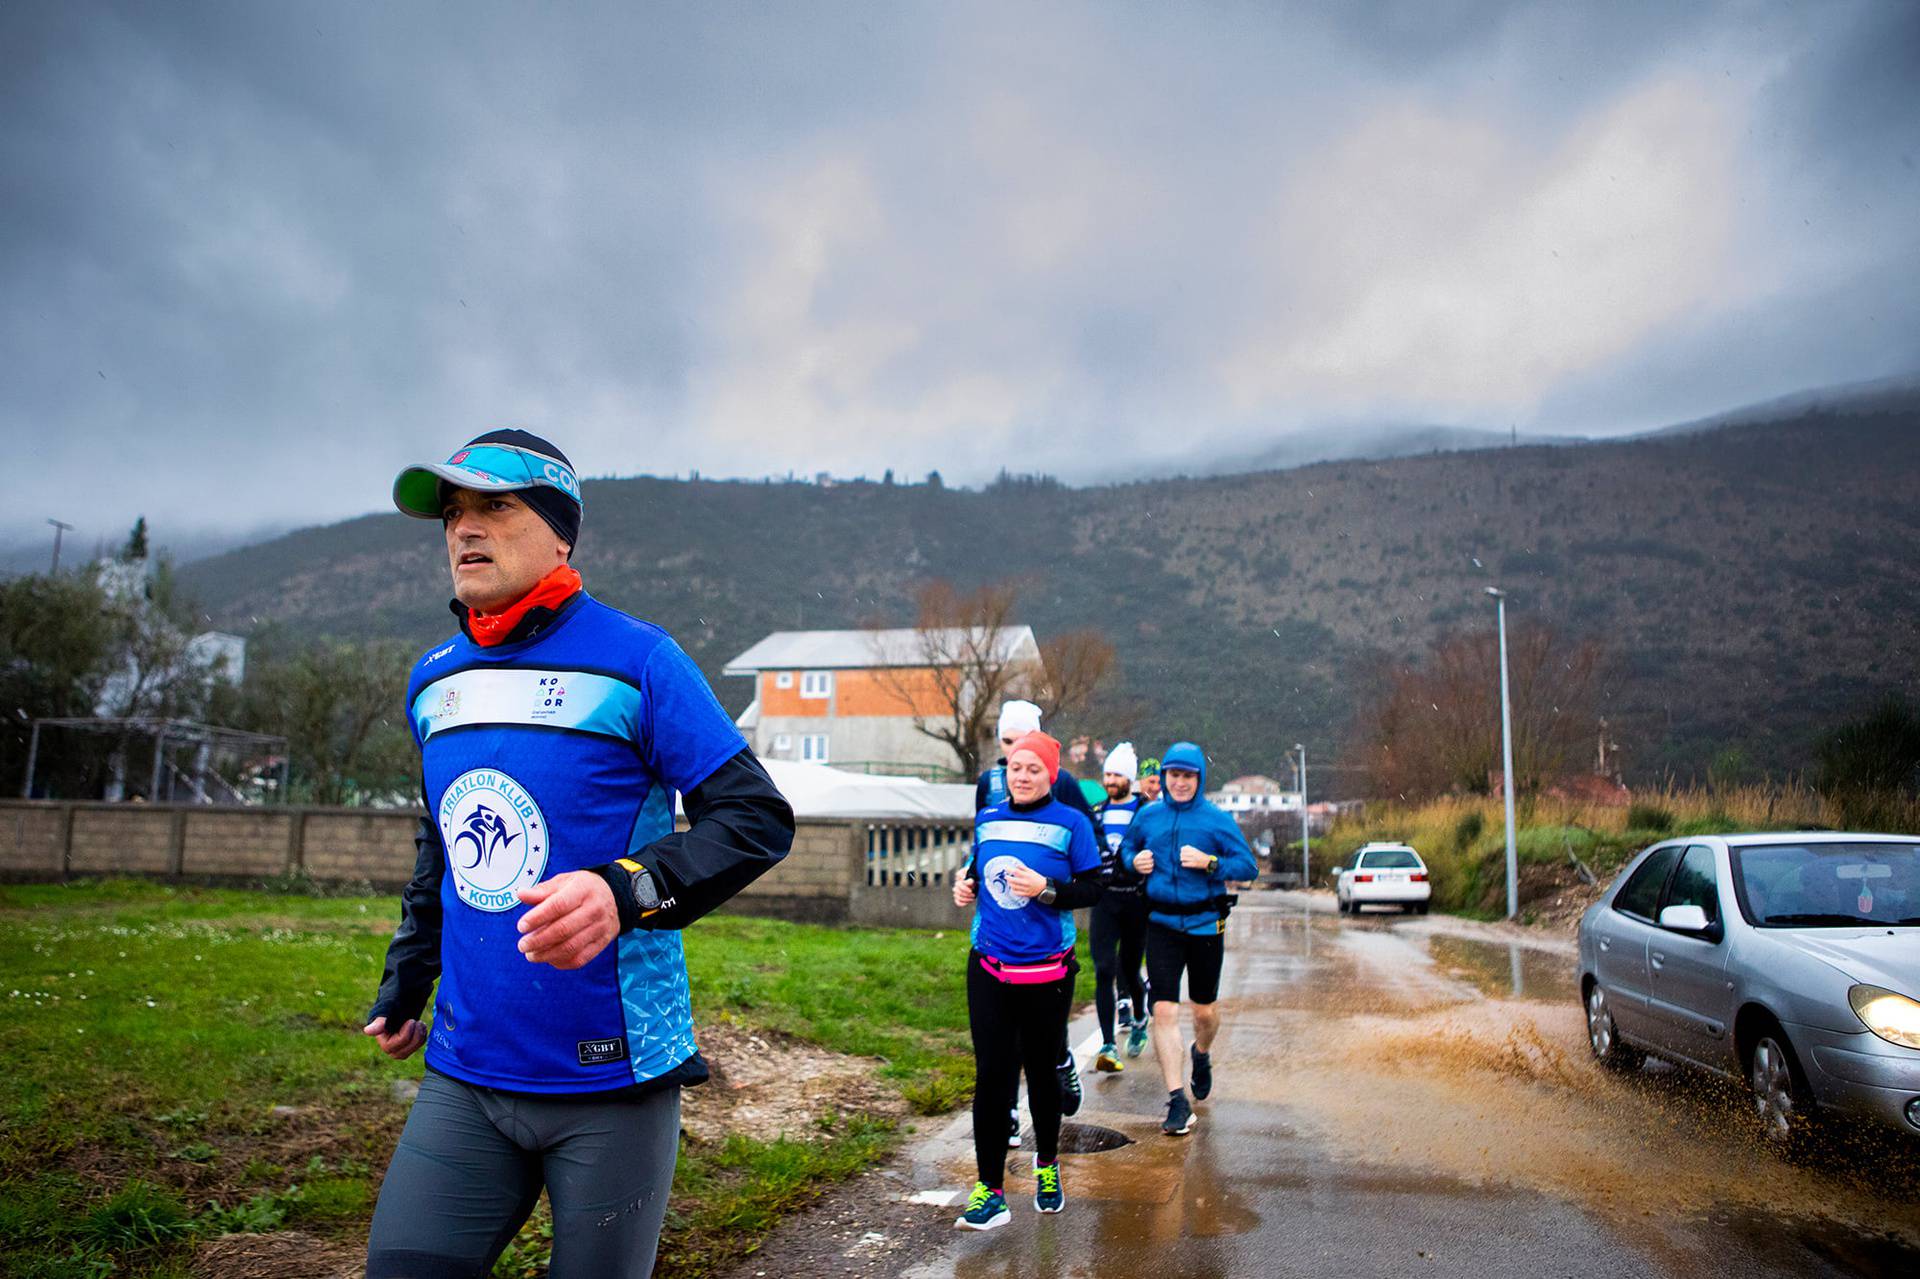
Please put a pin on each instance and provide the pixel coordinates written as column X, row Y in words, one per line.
column 1069, row 1087
column 1013, row 1137
column 1202, row 1075
column 1109, row 1060
column 1179, row 1120
column 1123, row 1011
column 1137, row 1039
column 986, row 1209
column 1047, row 1195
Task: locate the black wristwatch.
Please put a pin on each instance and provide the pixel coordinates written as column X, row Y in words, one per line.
column 1048, row 894
column 645, row 894
column 635, row 893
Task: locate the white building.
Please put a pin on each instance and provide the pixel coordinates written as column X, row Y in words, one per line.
column 1255, row 794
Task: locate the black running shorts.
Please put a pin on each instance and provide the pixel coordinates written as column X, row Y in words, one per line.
column 1171, row 953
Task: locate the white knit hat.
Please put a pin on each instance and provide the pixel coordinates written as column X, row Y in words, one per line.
column 1017, row 717
column 1122, row 760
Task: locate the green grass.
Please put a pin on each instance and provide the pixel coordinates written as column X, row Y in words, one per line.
column 151, row 1031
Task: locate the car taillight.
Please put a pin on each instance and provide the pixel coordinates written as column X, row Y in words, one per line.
column 1418, row 877
column 1363, row 879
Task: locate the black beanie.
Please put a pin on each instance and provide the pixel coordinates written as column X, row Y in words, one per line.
column 559, row 509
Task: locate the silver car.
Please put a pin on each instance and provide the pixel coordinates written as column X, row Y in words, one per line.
column 1791, row 961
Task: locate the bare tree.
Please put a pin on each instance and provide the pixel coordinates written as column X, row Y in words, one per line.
column 1435, row 728
column 1074, row 667
column 956, row 670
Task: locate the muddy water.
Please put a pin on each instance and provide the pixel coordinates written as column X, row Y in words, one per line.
column 1476, row 1068
column 1393, row 1101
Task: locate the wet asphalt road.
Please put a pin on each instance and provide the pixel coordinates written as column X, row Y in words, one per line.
column 1404, row 1097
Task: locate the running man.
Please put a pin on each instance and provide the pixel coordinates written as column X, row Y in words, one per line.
column 1188, row 850
column 549, row 889
column 1149, row 780
column 1018, row 717
column 1035, row 860
column 1118, row 929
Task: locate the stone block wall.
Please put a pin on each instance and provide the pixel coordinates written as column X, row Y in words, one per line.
column 822, row 880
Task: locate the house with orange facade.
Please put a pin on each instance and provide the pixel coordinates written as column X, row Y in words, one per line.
column 851, row 698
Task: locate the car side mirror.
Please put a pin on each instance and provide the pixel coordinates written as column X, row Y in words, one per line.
column 1338, row 870
column 1685, row 919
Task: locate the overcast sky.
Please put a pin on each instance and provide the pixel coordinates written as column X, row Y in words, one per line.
column 255, row 257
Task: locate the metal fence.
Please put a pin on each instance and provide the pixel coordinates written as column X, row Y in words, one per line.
column 916, row 853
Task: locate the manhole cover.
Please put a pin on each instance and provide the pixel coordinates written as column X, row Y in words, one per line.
column 1090, row 1139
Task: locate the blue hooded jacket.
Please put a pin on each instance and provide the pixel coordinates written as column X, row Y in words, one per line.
column 1163, row 826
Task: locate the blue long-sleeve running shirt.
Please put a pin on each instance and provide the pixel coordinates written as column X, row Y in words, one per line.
column 553, row 754
column 1053, row 839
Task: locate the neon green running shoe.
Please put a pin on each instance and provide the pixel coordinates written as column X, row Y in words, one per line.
column 986, row 1209
column 1047, row 1195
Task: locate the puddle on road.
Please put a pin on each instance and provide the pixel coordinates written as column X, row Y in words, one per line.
column 1511, row 1098
column 1506, row 971
column 1438, row 1056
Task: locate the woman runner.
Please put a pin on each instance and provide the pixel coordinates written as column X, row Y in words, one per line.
column 1034, row 861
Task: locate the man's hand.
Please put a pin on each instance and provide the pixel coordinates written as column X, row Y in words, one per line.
column 572, row 920
column 402, row 1043
column 964, row 893
column 1144, row 861
column 1194, row 859
column 1026, row 882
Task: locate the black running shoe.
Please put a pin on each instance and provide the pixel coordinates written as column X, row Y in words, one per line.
column 1179, row 1120
column 1202, row 1075
column 1069, row 1087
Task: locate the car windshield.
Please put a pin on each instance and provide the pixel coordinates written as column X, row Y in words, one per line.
column 1390, row 859
column 1828, row 885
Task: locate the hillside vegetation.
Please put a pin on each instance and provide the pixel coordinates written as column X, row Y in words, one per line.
column 1752, row 584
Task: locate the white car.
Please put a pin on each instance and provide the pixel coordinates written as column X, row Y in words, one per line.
column 1383, row 875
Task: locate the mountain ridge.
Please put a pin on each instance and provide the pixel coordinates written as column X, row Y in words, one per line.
column 1753, row 583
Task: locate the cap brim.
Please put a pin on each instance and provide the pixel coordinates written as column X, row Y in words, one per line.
column 416, row 491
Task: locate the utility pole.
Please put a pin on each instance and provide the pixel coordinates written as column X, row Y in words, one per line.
column 1506, row 754
column 1302, row 750
column 59, row 527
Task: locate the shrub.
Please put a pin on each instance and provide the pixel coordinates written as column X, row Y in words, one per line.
column 1468, row 829
column 1644, row 816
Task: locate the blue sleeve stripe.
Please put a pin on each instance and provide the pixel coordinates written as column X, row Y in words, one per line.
column 1044, row 833
column 535, row 698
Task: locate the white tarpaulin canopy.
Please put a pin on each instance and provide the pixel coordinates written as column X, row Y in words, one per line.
column 815, row 790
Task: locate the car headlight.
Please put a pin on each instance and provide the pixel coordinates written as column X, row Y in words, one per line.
column 1893, row 1017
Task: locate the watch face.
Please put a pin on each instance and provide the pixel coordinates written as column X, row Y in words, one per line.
column 645, row 895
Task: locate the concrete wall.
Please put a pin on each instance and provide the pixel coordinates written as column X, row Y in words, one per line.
column 823, row 880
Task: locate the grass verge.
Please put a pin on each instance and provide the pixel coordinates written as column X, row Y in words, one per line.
column 1462, row 838
column 188, row 1061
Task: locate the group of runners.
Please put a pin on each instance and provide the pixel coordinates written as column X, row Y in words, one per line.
column 543, row 919
column 1155, row 866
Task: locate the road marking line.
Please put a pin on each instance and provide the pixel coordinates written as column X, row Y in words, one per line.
column 934, row 1198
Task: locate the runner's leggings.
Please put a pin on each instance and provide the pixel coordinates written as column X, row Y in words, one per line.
column 471, row 1163
column 1014, row 1028
column 1118, row 935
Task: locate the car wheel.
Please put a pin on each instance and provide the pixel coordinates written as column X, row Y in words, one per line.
column 1780, row 1098
column 1603, row 1034
column 1421, row 909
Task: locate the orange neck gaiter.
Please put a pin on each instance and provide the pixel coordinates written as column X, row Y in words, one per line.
column 551, row 591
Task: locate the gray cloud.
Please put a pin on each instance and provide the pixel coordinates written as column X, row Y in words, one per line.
column 256, row 258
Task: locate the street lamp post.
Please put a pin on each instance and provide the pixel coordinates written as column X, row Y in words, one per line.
column 1304, row 863
column 1506, row 756
column 59, row 527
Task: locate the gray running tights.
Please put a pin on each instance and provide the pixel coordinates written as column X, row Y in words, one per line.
column 470, row 1165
